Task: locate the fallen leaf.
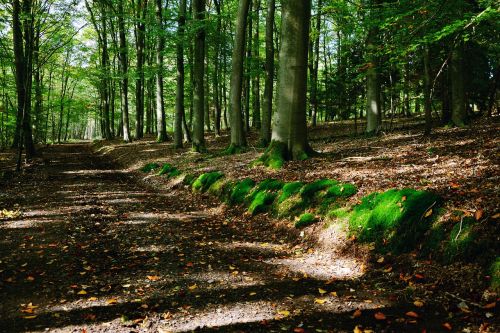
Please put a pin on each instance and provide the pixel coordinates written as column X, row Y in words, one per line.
column 30, row 317
column 447, row 326
column 418, row 304
column 153, row 277
column 320, row 300
column 356, row 314
column 380, row 316
column 193, row 287
column 428, row 213
column 92, row 299
column 490, row 305
column 284, row 313
column 112, row 301
column 322, row 291
column 299, row 330
column 381, row 260
column 478, row 214
column 82, row 292
column 388, row 269
column 412, row 314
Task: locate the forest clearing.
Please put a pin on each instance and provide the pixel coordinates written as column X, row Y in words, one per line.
column 249, row 166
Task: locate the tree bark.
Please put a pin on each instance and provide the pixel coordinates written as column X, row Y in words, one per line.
column 124, row 72
column 267, row 111
column 427, row 92
column 198, row 77
column 256, row 118
column 179, row 96
column 458, row 101
column 140, row 35
column 161, row 126
column 238, row 138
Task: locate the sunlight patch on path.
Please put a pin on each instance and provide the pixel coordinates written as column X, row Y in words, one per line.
column 237, row 313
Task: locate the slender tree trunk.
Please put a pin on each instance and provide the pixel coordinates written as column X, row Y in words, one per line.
column 179, row 97
column 458, row 102
column 198, row 77
column 427, row 92
column 161, row 126
column 217, row 69
column 256, row 118
column 141, row 9
column 315, row 60
column 373, row 105
column 267, row 111
column 238, row 138
column 124, row 72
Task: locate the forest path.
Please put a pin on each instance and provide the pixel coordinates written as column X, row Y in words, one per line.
column 96, row 250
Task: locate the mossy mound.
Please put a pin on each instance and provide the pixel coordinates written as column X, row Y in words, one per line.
column 289, row 190
column 150, row 167
column 240, row 190
column 274, row 157
column 462, row 242
column 495, row 275
column 233, row 150
column 204, row 181
column 395, row 220
column 261, row 202
column 305, row 220
column 189, row 179
column 169, row 171
column 310, row 190
column 267, row 185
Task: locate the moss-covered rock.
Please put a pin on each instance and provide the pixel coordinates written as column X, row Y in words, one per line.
column 395, row 220
column 267, row 185
column 169, row 171
column 150, row 167
column 221, row 188
column 305, row 220
column 204, row 181
column 462, row 241
column 189, row 179
column 261, row 202
column 240, row 190
column 310, row 190
column 288, row 190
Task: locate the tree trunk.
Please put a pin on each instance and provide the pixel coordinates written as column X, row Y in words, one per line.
column 373, row 107
column 315, row 67
column 427, row 92
column 290, row 124
column 198, row 77
column 217, row 69
column 267, row 111
column 256, row 119
column 179, row 96
column 124, row 72
column 140, row 35
column 161, row 126
column 238, row 139
column 458, row 102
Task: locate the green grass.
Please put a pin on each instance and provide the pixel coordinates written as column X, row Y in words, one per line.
column 204, row 181
column 150, row 167
column 305, row 220
column 240, row 190
column 395, row 220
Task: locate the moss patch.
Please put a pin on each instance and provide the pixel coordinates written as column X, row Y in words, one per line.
column 305, row 220
column 204, row 181
column 169, row 170
column 288, row 190
column 150, row 167
column 461, row 243
column 261, row 202
column 309, row 190
column 189, row 179
column 233, row 150
column 395, row 220
column 274, row 157
column 240, row 190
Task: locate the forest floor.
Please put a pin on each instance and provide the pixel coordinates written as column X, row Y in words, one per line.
column 90, row 244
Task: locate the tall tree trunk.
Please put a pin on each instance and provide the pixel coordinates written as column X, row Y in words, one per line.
column 290, row 124
column 217, row 69
column 124, row 72
column 458, row 102
column 315, row 60
column 179, row 96
column 238, row 138
column 373, row 105
column 256, row 119
column 140, row 35
column 427, row 92
column 267, row 111
column 198, row 77
column 106, row 77
column 161, row 126
column 247, row 77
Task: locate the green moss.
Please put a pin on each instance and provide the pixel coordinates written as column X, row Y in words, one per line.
column 291, row 206
column 204, row 181
column 150, row 167
column 289, row 189
column 220, row 188
column 462, row 243
column 240, row 190
column 189, row 179
column 174, row 173
column 433, row 241
column 395, row 220
column 267, row 185
column 169, row 170
column 274, row 157
column 495, row 275
column 261, row 202
column 233, row 150
column 305, row 220
column 341, row 190
column 309, row 190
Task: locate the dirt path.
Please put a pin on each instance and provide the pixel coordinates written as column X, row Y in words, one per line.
column 95, row 250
